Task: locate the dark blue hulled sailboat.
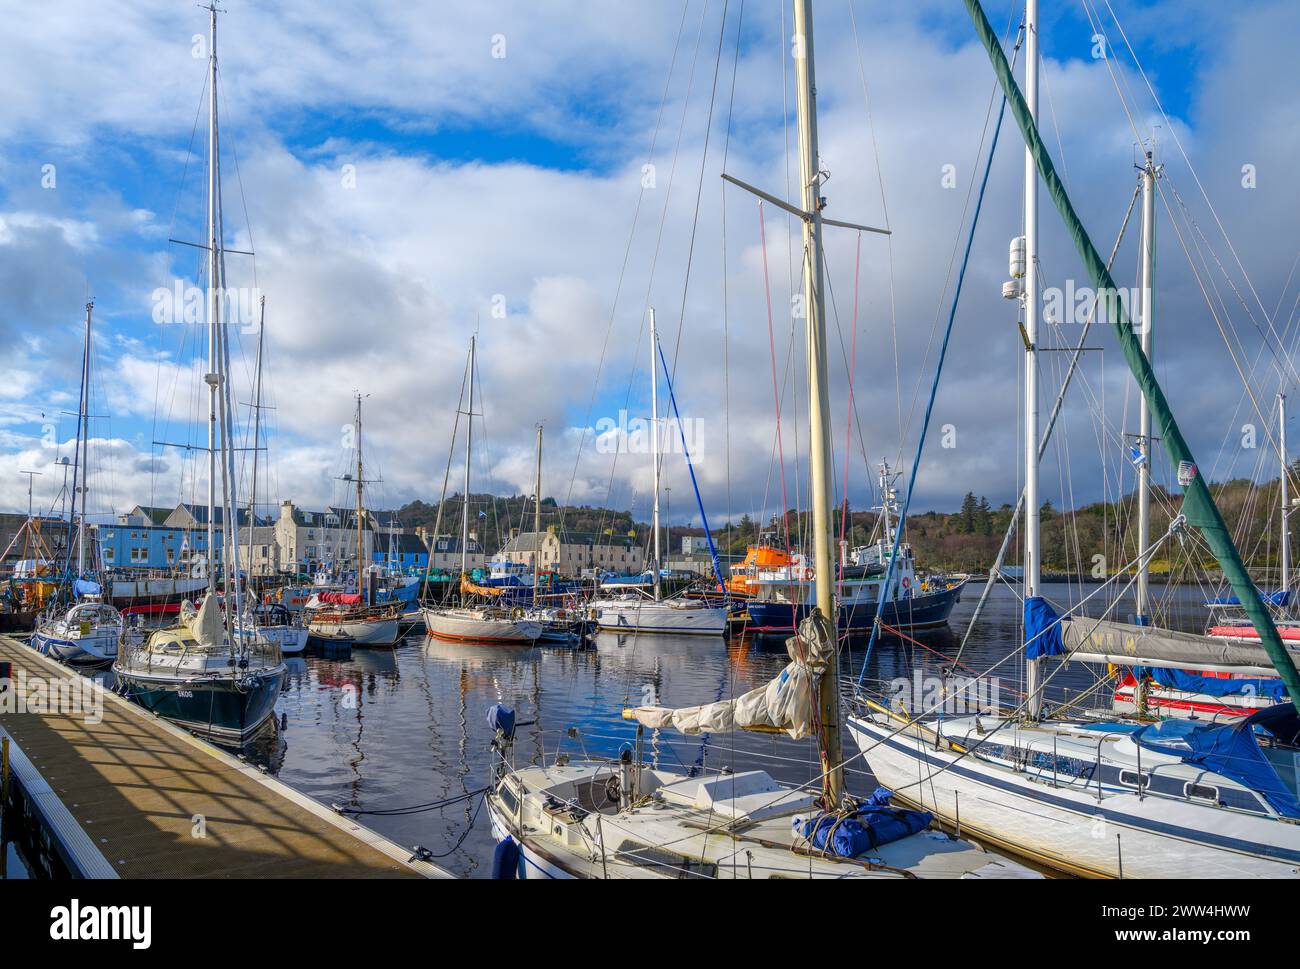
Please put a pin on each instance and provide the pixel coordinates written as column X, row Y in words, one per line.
column 213, row 672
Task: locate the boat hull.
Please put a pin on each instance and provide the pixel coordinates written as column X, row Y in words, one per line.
column 126, row 592
column 360, row 632
column 449, row 626
column 1072, row 830
column 217, row 709
column 662, row 618
column 928, row 610
column 89, row 651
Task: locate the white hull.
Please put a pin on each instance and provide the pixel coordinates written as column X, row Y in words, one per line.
column 292, row 639
column 166, row 589
column 98, row 648
column 475, row 626
column 362, row 632
column 672, row 617
column 1070, row 827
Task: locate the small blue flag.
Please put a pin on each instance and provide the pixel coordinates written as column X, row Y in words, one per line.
column 1136, row 456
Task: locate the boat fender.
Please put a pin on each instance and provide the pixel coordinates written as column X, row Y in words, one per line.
column 505, row 860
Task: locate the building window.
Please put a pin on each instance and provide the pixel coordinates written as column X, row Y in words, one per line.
column 139, row 555
column 108, row 555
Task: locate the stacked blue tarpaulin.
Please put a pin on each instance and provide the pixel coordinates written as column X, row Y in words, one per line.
column 869, row 826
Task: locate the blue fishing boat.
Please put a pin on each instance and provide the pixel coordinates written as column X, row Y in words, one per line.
column 783, row 595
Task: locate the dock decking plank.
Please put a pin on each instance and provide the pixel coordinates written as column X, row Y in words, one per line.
column 134, row 785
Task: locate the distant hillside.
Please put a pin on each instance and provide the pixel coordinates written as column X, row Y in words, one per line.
column 964, row 540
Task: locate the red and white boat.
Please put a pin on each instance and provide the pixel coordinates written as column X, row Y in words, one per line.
column 1210, row 702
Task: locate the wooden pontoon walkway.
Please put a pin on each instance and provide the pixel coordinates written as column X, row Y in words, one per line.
column 127, row 797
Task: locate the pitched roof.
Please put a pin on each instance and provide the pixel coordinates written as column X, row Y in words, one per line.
column 402, row 543
column 199, row 513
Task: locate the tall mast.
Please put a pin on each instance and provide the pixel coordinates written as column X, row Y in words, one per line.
column 212, row 378
column 257, row 422
column 654, row 451
column 1033, row 563
column 361, row 590
column 537, row 510
column 819, row 407
column 1286, row 500
column 1142, row 613
column 469, row 443
column 83, row 444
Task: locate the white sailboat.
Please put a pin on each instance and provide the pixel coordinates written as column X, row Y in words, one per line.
column 634, row 611
column 211, row 673
column 85, row 630
column 1105, row 797
column 477, row 624
column 602, row 819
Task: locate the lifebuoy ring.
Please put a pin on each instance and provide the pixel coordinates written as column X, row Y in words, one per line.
column 907, row 582
column 517, row 612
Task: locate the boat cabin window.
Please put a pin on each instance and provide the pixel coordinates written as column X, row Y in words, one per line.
column 1203, row 792
column 1131, row 778
column 663, row 861
column 508, row 799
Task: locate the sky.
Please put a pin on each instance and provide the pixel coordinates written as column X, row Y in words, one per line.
column 540, row 175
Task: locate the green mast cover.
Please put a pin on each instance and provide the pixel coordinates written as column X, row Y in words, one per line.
column 1198, row 506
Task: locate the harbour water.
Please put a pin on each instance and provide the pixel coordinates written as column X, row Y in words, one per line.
column 395, row 729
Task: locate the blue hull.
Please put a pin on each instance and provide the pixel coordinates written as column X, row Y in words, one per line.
column 213, row 709
column 919, row 612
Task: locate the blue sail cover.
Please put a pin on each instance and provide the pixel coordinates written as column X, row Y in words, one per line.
column 1042, row 629
column 84, row 587
column 1270, row 688
column 1230, row 750
column 1280, row 598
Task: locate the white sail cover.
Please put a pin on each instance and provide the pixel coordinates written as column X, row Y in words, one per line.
column 787, row 702
column 206, row 622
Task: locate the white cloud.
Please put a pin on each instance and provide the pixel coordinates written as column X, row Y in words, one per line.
column 377, row 287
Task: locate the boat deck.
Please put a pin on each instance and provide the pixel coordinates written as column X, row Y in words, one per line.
column 133, row 796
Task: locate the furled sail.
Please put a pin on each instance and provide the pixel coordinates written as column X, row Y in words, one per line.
column 468, row 587
column 206, row 622
column 787, row 703
column 1124, row 644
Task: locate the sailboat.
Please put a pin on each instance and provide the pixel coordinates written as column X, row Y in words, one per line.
column 491, row 623
column 1104, row 797
column 634, row 611
column 211, row 673
column 80, row 628
column 623, row 819
column 352, row 617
